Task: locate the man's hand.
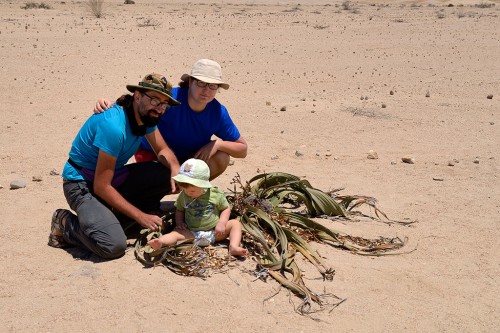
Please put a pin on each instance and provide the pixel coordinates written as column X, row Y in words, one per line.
column 150, row 221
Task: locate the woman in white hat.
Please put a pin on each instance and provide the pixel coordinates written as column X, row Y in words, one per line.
column 189, row 127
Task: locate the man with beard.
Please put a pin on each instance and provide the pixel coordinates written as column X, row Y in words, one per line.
column 101, row 188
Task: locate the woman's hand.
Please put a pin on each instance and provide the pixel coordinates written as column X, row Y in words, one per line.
column 174, row 187
column 207, row 151
column 102, row 105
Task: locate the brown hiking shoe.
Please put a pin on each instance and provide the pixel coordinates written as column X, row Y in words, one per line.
column 57, row 228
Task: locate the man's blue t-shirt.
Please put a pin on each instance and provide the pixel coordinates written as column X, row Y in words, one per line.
column 110, row 132
column 186, row 131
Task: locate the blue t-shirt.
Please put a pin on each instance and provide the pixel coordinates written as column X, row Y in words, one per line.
column 186, row 131
column 110, row 132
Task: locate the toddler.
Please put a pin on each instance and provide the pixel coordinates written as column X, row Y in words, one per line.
column 202, row 212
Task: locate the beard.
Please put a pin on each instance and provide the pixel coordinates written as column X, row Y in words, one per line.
column 149, row 120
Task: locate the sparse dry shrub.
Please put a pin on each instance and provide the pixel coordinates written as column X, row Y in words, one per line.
column 347, row 5
column 96, row 7
column 148, row 22
column 31, row 5
column 484, row 5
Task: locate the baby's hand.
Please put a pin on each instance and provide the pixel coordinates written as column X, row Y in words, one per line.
column 220, row 228
column 181, row 226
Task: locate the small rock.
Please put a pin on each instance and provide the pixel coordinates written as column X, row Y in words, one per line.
column 366, row 98
column 428, row 94
column 16, row 184
column 384, row 105
column 37, row 178
column 492, row 123
column 1, row 186
column 490, row 96
column 268, row 103
column 394, row 162
column 439, row 179
column 328, row 154
column 362, row 97
column 456, row 160
column 313, row 111
column 408, row 159
column 451, row 163
column 372, row 155
column 476, row 161
column 54, row 172
column 298, row 153
column 283, row 108
column 391, row 92
column 231, row 162
column 274, row 157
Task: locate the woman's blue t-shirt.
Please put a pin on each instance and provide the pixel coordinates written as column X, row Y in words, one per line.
column 186, row 131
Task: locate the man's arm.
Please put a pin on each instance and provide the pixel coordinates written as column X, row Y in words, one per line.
column 165, row 155
column 104, row 173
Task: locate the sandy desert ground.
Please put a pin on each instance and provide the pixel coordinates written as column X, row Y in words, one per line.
column 397, row 77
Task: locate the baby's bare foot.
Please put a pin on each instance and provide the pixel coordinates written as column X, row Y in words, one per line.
column 237, row 251
column 155, row 243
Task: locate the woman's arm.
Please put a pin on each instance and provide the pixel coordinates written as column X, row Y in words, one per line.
column 237, row 149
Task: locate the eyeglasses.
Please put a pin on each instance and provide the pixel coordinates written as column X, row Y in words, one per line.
column 156, row 102
column 211, row 86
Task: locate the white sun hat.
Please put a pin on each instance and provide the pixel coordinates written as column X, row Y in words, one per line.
column 195, row 172
column 208, row 71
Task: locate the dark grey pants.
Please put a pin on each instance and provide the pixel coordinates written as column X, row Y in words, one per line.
column 96, row 227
